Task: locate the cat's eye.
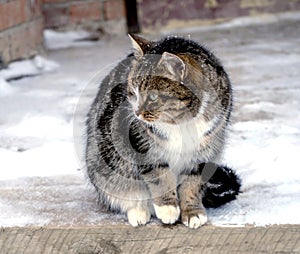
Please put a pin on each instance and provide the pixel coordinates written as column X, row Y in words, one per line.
column 153, row 96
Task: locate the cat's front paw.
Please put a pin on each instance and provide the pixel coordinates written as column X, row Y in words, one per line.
column 194, row 221
column 168, row 214
column 138, row 216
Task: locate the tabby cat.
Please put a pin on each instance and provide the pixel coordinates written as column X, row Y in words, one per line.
column 156, row 130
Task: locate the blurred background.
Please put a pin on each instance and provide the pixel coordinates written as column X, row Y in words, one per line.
column 22, row 21
column 53, row 56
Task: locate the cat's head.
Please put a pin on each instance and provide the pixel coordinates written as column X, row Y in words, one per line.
column 157, row 87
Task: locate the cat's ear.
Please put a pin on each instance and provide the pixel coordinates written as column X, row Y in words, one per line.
column 174, row 65
column 139, row 45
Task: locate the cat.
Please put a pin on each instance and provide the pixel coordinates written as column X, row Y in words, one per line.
column 155, row 133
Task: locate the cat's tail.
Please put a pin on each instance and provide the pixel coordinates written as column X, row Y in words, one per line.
column 222, row 185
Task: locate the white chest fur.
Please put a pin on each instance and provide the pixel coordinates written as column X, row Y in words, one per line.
column 183, row 142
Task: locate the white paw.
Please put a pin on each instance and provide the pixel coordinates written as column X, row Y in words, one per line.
column 168, row 214
column 138, row 216
column 195, row 221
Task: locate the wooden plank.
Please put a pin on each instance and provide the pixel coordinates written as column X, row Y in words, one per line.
column 151, row 239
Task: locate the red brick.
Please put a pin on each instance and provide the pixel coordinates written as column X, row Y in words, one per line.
column 80, row 12
column 56, row 16
column 114, row 9
column 59, row 1
column 12, row 13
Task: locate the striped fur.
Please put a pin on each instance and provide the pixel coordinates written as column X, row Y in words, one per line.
column 157, row 124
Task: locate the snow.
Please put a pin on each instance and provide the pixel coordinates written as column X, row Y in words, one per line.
column 32, row 67
column 59, row 40
column 268, row 165
column 263, row 18
column 42, row 124
column 5, row 87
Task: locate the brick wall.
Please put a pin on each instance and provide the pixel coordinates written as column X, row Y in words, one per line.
column 22, row 21
column 105, row 15
column 21, row 29
column 155, row 14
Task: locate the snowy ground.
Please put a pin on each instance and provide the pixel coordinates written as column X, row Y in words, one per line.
column 41, row 181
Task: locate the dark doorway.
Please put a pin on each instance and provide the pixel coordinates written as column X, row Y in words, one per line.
column 132, row 16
